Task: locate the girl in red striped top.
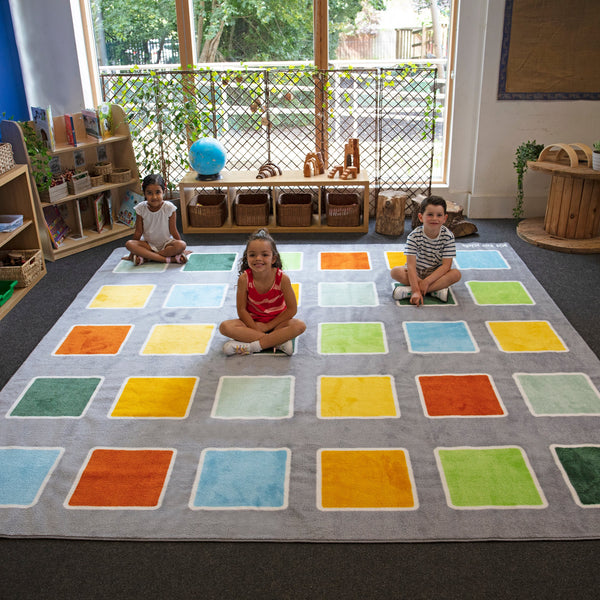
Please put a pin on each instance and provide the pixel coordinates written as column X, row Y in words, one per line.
column 266, row 302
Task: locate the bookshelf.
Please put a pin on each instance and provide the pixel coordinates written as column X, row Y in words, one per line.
column 16, row 198
column 77, row 208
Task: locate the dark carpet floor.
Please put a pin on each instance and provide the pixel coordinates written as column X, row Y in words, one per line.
column 48, row 569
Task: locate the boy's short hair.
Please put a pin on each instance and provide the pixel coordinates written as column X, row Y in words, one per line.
column 435, row 201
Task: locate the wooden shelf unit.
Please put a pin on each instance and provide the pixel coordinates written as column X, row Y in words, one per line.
column 190, row 186
column 16, row 199
column 119, row 152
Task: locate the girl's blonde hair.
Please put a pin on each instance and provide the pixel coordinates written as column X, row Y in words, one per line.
column 265, row 236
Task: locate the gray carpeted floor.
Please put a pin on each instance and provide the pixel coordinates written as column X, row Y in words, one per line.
column 91, row 569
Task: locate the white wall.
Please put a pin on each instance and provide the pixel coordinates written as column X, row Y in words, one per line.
column 487, row 131
column 49, row 47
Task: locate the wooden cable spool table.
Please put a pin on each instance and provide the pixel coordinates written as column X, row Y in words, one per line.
column 572, row 219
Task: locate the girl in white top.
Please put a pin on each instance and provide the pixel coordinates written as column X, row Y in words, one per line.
column 156, row 236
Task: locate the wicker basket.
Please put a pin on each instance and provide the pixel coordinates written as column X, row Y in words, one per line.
column 7, row 161
column 25, row 274
column 343, row 209
column 252, row 209
column 120, row 175
column 104, row 169
column 208, row 210
column 97, row 180
column 294, row 209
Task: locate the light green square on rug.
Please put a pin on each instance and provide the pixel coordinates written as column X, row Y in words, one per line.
column 559, row 393
column 128, row 266
column 488, row 477
column 352, row 338
column 346, row 293
column 215, row 261
column 499, row 292
column 292, row 261
column 258, row 397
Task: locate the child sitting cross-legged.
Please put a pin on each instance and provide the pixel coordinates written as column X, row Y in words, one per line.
column 266, row 303
column 429, row 251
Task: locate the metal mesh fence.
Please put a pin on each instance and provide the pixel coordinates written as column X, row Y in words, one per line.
column 280, row 115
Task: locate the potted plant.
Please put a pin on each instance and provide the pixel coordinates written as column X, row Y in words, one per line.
column 596, row 156
column 525, row 152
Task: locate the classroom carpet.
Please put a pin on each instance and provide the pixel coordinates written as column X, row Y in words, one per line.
column 474, row 419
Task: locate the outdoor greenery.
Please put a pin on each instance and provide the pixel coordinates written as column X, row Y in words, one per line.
column 529, row 150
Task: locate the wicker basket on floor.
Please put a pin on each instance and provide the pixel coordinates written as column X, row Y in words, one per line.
column 294, row 209
column 24, row 274
column 343, row 209
column 208, row 210
column 252, row 209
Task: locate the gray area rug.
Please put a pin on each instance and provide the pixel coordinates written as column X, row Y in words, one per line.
column 471, row 420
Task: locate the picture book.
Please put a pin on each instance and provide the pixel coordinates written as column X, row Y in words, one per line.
column 44, row 126
column 105, row 118
column 91, row 123
column 70, row 130
column 126, row 214
column 102, row 207
column 56, row 225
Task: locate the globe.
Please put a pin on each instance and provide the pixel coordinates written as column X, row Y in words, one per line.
column 207, row 157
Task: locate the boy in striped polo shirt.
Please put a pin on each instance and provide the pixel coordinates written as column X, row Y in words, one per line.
column 429, row 252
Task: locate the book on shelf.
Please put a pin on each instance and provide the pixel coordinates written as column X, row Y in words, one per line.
column 70, row 130
column 127, row 214
column 105, row 120
column 44, row 125
column 57, row 227
column 102, row 207
column 91, row 122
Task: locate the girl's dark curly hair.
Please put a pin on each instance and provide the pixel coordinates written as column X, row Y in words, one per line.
column 265, row 236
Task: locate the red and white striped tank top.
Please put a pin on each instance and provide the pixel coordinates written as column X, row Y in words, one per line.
column 265, row 307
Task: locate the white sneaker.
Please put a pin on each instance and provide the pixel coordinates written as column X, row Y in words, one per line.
column 441, row 294
column 232, row 347
column 401, row 291
column 286, row 347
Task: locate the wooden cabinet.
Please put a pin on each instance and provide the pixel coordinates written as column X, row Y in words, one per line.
column 231, row 181
column 16, row 199
column 77, row 208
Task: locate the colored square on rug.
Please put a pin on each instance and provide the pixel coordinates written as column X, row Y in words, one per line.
column 439, row 336
column 200, row 295
column 242, row 478
column 556, row 394
column 352, row 338
column 122, row 478
column 217, row 261
column 459, row 396
column 254, row 397
column 94, row 339
column 355, row 396
column 179, row 339
column 525, row 336
column 487, row 477
column 499, row 292
column 292, row 261
column 56, row 397
column 344, row 261
column 395, row 259
column 365, row 479
column 24, row 473
column 155, row 397
column 128, row 266
column 580, row 465
column 480, row 259
column 122, row 296
column 346, row 293
column 428, row 299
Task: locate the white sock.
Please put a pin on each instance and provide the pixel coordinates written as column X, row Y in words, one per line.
column 255, row 346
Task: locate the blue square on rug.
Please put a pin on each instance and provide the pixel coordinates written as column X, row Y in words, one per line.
column 439, row 336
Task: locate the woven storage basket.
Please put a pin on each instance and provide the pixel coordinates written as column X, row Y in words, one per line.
column 252, row 209
column 25, row 274
column 97, row 180
column 7, row 161
column 294, row 209
column 343, row 209
column 104, row 169
column 120, row 175
column 208, row 210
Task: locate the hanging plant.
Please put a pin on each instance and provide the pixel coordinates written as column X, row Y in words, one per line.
column 525, row 152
